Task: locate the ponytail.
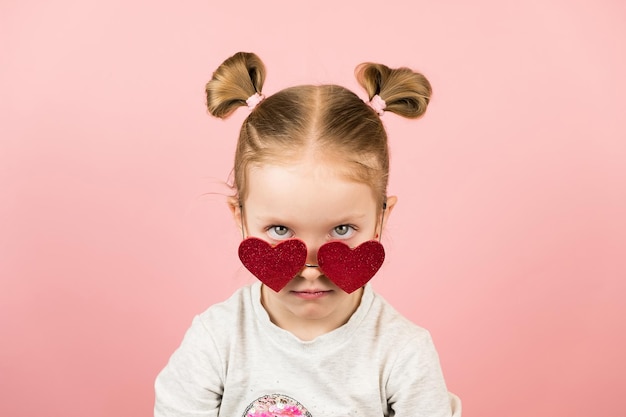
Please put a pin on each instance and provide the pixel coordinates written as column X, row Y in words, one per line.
column 403, row 91
column 236, row 81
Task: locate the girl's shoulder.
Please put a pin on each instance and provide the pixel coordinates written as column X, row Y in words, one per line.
column 233, row 309
column 389, row 321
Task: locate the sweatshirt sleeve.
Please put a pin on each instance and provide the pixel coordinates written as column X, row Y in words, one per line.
column 191, row 384
column 416, row 386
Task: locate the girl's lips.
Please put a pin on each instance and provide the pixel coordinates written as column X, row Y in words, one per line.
column 311, row 294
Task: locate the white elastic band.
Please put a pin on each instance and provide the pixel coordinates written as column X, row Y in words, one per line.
column 378, row 104
column 254, row 100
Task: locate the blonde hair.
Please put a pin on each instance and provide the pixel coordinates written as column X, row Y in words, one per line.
column 326, row 119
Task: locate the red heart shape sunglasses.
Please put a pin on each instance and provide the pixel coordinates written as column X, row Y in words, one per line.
column 276, row 265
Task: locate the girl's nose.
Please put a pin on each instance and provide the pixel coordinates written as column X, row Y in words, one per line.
column 311, row 253
column 310, row 272
column 311, row 269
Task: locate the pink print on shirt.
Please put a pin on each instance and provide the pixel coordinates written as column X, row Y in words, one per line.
column 276, row 405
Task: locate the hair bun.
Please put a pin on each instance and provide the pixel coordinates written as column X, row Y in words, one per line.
column 234, row 81
column 406, row 92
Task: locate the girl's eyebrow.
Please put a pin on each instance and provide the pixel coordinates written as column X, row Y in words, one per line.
column 350, row 218
column 272, row 219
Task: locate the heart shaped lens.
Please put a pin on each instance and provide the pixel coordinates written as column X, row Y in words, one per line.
column 350, row 269
column 275, row 265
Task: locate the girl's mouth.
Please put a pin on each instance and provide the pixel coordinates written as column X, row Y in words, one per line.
column 311, row 294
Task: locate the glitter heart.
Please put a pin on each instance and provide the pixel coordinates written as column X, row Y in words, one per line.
column 350, row 269
column 275, row 265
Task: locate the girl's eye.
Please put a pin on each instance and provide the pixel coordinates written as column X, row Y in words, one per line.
column 344, row 231
column 279, row 232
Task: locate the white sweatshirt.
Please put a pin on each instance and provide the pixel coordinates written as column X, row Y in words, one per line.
column 234, row 362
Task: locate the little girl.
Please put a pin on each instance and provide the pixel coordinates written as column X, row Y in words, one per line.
column 311, row 337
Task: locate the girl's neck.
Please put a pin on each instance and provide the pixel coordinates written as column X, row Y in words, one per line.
column 309, row 329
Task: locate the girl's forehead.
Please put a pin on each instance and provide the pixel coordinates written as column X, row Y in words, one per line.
column 305, row 186
column 300, row 167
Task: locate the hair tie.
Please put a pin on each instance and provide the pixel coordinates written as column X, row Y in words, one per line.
column 378, row 104
column 254, row 100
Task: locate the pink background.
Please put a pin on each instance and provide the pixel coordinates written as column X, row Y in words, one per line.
column 507, row 242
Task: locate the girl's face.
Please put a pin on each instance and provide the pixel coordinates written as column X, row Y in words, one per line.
column 310, row 201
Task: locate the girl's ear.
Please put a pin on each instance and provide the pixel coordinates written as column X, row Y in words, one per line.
column 235, row 208
column 391, row 203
